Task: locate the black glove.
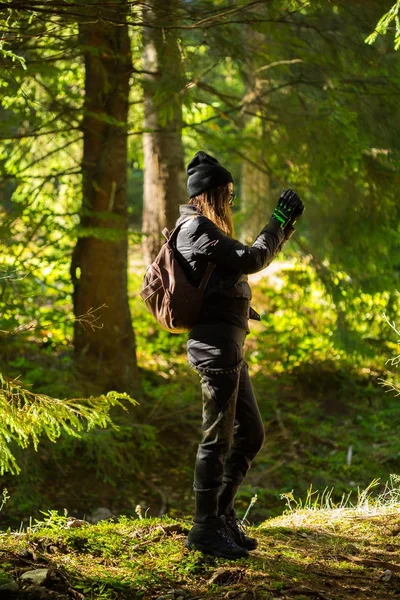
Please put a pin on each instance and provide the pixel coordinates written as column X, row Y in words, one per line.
column 288, row 209
column 298, row 211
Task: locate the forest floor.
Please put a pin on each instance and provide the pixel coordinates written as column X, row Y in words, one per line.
column 323, row 554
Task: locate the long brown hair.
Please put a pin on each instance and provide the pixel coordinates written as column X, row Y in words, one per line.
column 214, row 205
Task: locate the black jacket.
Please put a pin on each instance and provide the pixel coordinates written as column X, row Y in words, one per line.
column 228, row 293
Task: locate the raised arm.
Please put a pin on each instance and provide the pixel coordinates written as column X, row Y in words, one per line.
column 214, row 246
column 210, row 243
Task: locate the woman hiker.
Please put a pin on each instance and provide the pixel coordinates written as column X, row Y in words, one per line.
column 233, row 431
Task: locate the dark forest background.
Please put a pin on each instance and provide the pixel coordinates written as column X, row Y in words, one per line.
column 102, row 104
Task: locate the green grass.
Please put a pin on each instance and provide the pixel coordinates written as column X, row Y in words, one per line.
column 319, row 550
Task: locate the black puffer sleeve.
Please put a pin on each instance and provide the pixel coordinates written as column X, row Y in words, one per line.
column 210, row 243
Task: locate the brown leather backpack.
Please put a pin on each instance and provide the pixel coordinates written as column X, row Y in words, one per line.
column 166, row 291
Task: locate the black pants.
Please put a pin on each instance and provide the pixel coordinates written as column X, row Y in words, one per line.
column 233, row 432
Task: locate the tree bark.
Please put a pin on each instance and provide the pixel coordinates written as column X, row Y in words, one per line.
column 105, row 355
column 164, row 177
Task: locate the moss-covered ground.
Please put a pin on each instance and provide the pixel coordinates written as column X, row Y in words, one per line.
column 323, row 554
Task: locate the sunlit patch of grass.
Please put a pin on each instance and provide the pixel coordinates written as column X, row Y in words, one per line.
column 369, row 512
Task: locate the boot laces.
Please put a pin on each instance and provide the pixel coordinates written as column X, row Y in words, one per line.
column 235, row 525
column 226, row 534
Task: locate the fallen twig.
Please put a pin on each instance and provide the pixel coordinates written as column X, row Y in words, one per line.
column 307, row 592
column 371, row 562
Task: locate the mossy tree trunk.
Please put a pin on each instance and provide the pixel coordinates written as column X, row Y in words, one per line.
column 105, row 355
column 164, row 179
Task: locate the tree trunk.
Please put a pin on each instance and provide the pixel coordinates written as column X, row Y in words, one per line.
column 164, row 177
column 105, row 352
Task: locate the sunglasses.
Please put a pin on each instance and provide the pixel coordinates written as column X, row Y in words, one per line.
column 231, row 198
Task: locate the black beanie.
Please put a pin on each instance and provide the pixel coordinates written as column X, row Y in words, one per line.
column 205, row 172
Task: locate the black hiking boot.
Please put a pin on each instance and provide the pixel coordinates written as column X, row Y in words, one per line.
column 214, row 538
column 238, row 534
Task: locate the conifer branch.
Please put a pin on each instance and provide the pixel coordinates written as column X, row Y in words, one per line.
column 394, row 362
column 25, row 417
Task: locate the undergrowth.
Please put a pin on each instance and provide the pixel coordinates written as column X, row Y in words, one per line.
column 327, row 419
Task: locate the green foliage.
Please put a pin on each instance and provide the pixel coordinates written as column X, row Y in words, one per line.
column 305, row 103
column 393, row 385
column 8, row 22
column 300, row 101
column 322, row 382
column 52, row 521
column 26, row 416
column 307, row 322
column 10, row 55
column 384, row 23
column 115, row 454
column 4, row 498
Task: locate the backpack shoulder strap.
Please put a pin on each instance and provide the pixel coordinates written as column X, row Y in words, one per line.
column 168, row 234
column 207, row 275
